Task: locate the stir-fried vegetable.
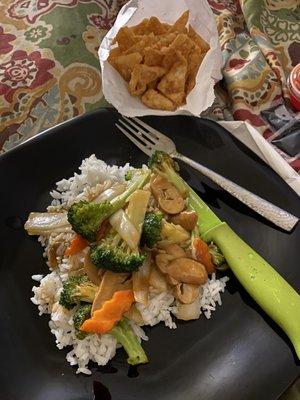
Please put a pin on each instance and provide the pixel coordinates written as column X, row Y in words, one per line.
column 82, row 313
column 86, row 217
column 111, row 282
column 125, row 228
column 165, row 166
column 114, row 254
column 171, row 234
column 110, row 193
column 217, row 257
column 151, row 232
column 77, row 244
column 202, row 254
column 46, row 223
column 140, row 281
column 75, row 289
column 137, row 206
column 103, row 320
column 127, row 338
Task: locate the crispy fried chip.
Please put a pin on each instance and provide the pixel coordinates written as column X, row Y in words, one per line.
column 181, row 43
column 141, row 76
column 194, row 61
column 153, row 99
column 159, row 61
column 125, row 38
column 141, row 43
column 193, row 35
column 155, row 26
column 172, row 85
column 180, row 24
column 152, row 56
column 124, row 64
column 141, row 28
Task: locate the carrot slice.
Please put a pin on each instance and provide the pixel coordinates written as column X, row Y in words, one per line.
column 203, row 255
column 76, row 245
column 103, row 320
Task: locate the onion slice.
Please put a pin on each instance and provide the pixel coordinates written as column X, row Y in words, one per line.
column 110, row 193
column 125, row 228
column 140, row 281
column 46, row 223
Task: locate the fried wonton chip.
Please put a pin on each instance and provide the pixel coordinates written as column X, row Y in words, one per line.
column 153, row 99
column 193, row 35
column 181, row 43
column 155, row 26
column 160, row 61
column 172, row 85
column 125, row 38
column 124, row 64
column 180, row 24
column 194, row 61
column 141, row 28
column 141, row 76
column 166, row 39
column 142, row 43
column 152, row 56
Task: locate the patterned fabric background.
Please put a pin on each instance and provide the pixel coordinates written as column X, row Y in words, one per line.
column 49, row 69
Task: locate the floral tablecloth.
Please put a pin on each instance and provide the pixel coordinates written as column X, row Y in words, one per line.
column 49, row 69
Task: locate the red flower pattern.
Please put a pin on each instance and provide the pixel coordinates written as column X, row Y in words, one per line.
column 24, row 71
column 102, row 21
column 5, row 38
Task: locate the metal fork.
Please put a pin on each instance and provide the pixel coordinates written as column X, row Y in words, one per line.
column 149, row 139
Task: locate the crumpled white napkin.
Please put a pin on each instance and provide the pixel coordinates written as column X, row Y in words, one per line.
column 248, row 135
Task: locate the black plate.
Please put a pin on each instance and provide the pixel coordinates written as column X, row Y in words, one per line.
column 238, row 354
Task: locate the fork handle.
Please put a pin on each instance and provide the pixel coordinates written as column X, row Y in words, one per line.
column 279, row 217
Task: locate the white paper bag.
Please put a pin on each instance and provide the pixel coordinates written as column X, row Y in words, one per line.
column 202, row 20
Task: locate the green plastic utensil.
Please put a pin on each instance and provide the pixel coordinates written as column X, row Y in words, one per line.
column 274, row 295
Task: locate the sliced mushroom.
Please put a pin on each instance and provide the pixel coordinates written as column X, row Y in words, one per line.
column 162, row 260
column 172, row 281
column 175, row 250
column 187, row 271
column 167, row 196
column 111, row 283
column 187, row 219
column 94, row 273
column 186, row 293
column 158, row 280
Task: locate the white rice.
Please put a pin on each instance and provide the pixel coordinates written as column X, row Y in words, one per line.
column 100, row 348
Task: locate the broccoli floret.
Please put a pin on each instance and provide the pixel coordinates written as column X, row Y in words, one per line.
column 162, row 164
column 124, row 334
column 77, row 288
column 113, row 253
column 86, row 217
column 128, row 175
column 217, row 257
column 82, row 313
column 152, row 226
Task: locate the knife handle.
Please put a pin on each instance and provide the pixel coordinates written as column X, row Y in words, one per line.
column 274, row 295
column 277, row 215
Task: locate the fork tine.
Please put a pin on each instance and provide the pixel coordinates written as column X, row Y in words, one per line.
column 136, row 142
column 155, row 133
column 147, row 134
column 137, row 134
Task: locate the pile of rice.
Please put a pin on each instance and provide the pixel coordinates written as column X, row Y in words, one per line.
column 100, row 348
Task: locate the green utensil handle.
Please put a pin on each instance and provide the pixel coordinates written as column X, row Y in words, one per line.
column 275, row 296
